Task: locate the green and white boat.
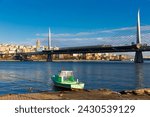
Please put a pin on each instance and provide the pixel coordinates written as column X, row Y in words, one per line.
column 66, row 80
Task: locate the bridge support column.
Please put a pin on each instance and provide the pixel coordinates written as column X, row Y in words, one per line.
column 84, row 56
column 25, row 57
column 138, row 57
column 49, row 57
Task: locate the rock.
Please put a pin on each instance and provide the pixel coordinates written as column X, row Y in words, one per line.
column 127, row 92
column 105, row 91
column 87, row 90
column 61, row 95
column 147, row 91
column 139, row 92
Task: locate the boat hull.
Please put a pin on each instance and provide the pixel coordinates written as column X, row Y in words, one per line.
column 67, row 84
column 70, row 86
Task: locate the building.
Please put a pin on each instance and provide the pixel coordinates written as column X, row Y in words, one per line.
column 37, row 44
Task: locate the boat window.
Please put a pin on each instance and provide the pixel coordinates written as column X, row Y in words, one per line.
column 66, row 74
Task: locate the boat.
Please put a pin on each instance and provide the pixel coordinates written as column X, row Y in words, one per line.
column 65, row 79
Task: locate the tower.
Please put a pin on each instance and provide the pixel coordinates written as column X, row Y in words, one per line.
column 138, row 54
column 49, row 55
column 138, row 41
column 49, row 39
column 37, row 44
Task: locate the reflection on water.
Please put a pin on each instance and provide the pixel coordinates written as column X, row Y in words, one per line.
column 139, row 75
column 26, row 77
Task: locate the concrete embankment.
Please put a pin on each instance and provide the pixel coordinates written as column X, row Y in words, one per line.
column 100, row 94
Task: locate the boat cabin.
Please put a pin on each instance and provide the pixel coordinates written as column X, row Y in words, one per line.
column 67, row 75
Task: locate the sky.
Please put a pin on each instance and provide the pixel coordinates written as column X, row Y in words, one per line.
column 73, row 22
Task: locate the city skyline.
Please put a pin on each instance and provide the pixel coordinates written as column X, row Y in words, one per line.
column 75, row 22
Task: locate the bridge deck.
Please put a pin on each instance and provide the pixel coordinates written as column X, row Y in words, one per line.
column 88, row 49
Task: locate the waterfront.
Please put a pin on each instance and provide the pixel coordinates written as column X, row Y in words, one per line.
column 26, row 77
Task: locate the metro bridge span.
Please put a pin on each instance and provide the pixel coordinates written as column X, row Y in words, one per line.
column 137, row 48
column 98, row 49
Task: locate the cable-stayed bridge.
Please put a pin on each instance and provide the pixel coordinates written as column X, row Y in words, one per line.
column 115, row 42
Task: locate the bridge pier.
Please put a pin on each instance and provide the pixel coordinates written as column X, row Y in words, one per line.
column 138, row 57
column 49, row 57
column 25, row 57
column 84, row 56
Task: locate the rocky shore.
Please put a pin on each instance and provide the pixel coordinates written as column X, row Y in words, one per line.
column 100, row 94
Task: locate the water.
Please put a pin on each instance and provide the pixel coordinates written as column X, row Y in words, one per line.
column 26, row 77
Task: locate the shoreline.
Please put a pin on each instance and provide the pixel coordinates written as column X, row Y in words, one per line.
column 67, row 61
column 99, row 94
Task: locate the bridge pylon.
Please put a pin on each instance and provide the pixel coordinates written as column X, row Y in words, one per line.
column 138, row 54
column 49, row 39
column 49, row 57
column 138, row 57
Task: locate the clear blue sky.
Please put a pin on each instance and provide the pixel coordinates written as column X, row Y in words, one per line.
column 72, row 22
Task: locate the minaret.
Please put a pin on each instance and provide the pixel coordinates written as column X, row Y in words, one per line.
column 138, row 41
column 37, row 44
column 49, row 39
